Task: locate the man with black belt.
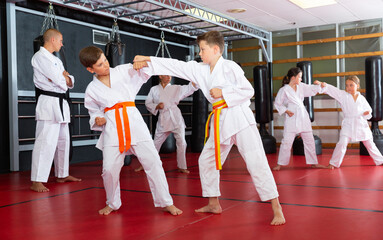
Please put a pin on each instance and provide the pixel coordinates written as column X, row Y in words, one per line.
column 52, row 114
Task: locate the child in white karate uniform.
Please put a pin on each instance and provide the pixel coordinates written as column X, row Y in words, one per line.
column 224, row 85
column 110, row 95
column 289, row 102
column 355, row 128
column 163, row 100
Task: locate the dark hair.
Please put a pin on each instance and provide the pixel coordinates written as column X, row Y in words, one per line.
column 291, row 73
column 212, row 38
column 90, row 55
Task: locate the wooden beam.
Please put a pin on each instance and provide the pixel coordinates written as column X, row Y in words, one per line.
column 316, row 41
column 319, row 75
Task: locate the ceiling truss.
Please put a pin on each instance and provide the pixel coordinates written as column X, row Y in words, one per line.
column 177, row 16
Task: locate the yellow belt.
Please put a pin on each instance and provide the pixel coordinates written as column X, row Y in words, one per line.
column 217, row 107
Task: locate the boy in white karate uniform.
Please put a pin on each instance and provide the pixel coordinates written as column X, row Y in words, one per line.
column 355, row 128
column 224, row 85
column 289, row 102
column 110, row 95
column 52, row 114
column 163, row 100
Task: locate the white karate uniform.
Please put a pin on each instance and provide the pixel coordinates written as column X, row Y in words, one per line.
column 237, row 123
column 170, row 118
column 125, row 83
column 355, row 127
column 52, row 133
column 299, row 123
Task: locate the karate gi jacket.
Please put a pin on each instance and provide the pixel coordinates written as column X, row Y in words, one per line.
column 354, row 124
column 228, row 76
column 47, row 66
column 170, row 117
column 125, row 82
column 288, row 99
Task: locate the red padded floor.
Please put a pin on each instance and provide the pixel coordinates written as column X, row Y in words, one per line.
column 345, row 203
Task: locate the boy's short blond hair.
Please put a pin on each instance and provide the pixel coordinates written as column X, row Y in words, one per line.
column 48, row 34
column 353, row 78
column 90, row 55
column 213, row 38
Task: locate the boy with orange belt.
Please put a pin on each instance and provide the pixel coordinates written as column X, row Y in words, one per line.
column 109, row 96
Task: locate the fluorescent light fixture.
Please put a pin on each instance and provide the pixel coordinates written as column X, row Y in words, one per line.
column 312, row 3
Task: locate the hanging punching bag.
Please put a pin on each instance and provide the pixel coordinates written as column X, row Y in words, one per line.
column 262, row 106
column 307, row 73
column 373, row 70
column 115, row 49
column 199, row 117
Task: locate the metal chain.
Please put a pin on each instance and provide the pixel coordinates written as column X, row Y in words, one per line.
column 115, row 32
column 50, row 20
column 163, row 46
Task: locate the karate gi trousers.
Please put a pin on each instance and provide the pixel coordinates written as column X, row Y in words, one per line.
column 250, row 147
column 341, row 148
column 179, row 135
column 52, row 142
column 287, row 143
column 150, row 161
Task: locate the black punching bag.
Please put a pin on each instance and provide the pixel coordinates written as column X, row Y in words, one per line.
column 199, row 117
column 115, row 49
column 307, row 74
column 262, row 106
column 373, row 70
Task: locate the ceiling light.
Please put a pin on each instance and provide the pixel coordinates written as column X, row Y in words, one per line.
column 236, row 10
column 312, row 3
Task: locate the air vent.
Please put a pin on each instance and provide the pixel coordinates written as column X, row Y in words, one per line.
column 101, row 38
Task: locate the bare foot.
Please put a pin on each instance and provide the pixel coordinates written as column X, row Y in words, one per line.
column 39, row 187
column 173, row 210
column 278, row 219
column 216, row 209
column 140, row 168
column 105, row 211
column 318, row 166
column 183, row 170
column 330, row 167
column 277, row 168
column 68, row 179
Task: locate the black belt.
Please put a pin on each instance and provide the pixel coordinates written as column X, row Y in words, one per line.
column 60, row 96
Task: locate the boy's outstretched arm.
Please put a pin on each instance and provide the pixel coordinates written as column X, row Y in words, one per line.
column 140, row 58
column 139, row 65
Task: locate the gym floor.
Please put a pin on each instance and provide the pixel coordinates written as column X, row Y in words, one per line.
column 345, row 203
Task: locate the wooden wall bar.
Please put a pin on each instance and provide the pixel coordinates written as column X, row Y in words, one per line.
column 317, row 41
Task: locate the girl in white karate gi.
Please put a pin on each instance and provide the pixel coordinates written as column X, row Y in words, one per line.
column 115, row 89
column 222, row 81
column 163, row 99
column 355, row 128
column 289, row 102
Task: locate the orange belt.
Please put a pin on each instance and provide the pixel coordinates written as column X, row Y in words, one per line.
column 120, row 133
column 217, row 107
